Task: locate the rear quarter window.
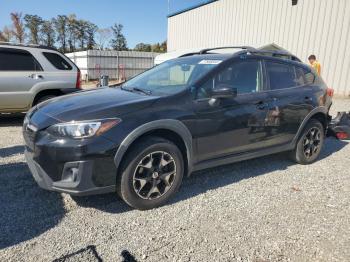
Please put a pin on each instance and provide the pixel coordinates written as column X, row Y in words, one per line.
column 283, row 75
column 309, row 77
column 57, row 61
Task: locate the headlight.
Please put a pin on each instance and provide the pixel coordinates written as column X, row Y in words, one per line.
column 83, row 129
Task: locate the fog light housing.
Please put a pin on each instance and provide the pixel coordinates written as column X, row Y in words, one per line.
column 70, row 172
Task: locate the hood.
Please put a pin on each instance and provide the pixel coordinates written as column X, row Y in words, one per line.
column 89, row 105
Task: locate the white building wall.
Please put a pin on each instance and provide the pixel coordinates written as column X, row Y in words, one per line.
column 115, row 64
column 320, row 27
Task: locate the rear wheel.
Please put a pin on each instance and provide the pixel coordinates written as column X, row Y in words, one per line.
column 151, row 173
column 44, row 98
column 310, row 143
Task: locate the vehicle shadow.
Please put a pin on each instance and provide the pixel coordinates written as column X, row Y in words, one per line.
column 11, row 119
column 110, row 203
column 202, row 181
column 10, row 151
column 26, row 210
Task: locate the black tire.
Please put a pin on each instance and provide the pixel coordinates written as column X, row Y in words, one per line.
column 310, row 143
column 147, row 168
column 44, row 98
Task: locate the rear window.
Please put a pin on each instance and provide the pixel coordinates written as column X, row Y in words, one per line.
column 18, row 60
column 283, row 76
column 57, row 61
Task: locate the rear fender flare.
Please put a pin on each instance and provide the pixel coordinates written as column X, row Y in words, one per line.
column 313, row 112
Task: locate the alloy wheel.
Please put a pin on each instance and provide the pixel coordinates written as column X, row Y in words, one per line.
column 312, row 142
column 154, row 175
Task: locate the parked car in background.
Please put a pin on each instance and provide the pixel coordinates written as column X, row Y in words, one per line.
column 31, row 74
column 186, row 114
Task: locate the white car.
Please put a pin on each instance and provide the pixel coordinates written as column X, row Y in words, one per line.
column 30, row 74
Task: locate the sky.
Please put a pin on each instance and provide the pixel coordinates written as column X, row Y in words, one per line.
column 143, row 20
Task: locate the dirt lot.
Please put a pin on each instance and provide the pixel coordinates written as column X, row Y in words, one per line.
column 268, row 209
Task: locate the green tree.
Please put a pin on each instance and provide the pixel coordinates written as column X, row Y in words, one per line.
column 90, row 35
column 82, row 27
column 47, row 33
column 143, row 47
column 72, row 32
column 33, row 23
column 156, row 48
column 18, row 27
column 60, row 23
column 164, row 47
column 118, row 42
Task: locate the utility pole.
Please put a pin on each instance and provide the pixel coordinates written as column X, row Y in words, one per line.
column 168, row 6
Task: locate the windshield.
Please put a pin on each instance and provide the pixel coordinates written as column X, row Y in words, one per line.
column 171, row 76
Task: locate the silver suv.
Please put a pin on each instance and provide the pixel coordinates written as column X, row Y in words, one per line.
column 30, row 74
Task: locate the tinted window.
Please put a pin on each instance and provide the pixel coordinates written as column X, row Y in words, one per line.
column 300, row 76
column 58, row 61
column 282, row 76
column 17, row 60
column 244, row 76
column 309, row 77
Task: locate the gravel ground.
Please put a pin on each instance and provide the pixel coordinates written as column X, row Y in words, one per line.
column 266, row 209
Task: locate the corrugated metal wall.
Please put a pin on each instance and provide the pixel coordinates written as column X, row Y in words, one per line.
column 115, row 64
column 320, row 27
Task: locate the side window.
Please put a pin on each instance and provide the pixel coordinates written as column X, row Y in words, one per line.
column 300, row 76
column 57, row 61
column 245, row 76
column 17, row 60
column 282, row 75
column 309, row 77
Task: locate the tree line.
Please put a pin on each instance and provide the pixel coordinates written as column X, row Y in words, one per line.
column 70, row 34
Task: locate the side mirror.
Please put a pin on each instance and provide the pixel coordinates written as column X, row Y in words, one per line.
column 223, row 91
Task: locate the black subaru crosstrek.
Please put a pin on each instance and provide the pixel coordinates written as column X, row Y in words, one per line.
column 190, row 113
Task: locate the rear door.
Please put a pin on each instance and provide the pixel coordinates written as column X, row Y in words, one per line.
column 291, row 99
column 59, row 70
column 19, row 71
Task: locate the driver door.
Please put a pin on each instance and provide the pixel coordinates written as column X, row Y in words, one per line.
column 232, row 125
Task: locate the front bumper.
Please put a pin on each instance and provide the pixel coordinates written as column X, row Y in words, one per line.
column 73, row 166
column 79, row 182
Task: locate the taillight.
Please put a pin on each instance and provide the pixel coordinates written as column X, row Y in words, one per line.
column 342, row 135
column 78, row 84
column 330, row 92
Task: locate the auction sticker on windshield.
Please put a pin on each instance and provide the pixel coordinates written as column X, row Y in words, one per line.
column 210, row 62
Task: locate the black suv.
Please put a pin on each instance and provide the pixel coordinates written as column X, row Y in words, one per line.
column 186, row 114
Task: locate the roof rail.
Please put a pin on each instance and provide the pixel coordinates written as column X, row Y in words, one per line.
column 248, row 48
column 28, row 45
column 276, row 53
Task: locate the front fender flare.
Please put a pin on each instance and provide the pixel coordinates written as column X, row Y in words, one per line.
column 170, row 124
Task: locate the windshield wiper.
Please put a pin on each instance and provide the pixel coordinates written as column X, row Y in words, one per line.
column 146, row 92
column 136, row 89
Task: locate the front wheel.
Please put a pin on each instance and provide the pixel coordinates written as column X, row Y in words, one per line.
column 151, row 173
column 310, row 143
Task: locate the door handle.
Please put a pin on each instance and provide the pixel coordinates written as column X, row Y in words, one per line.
column 261, row 105
column 307, row 99
column 36, row 76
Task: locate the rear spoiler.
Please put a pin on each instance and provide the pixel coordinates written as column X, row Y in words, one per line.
column 339, row 126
